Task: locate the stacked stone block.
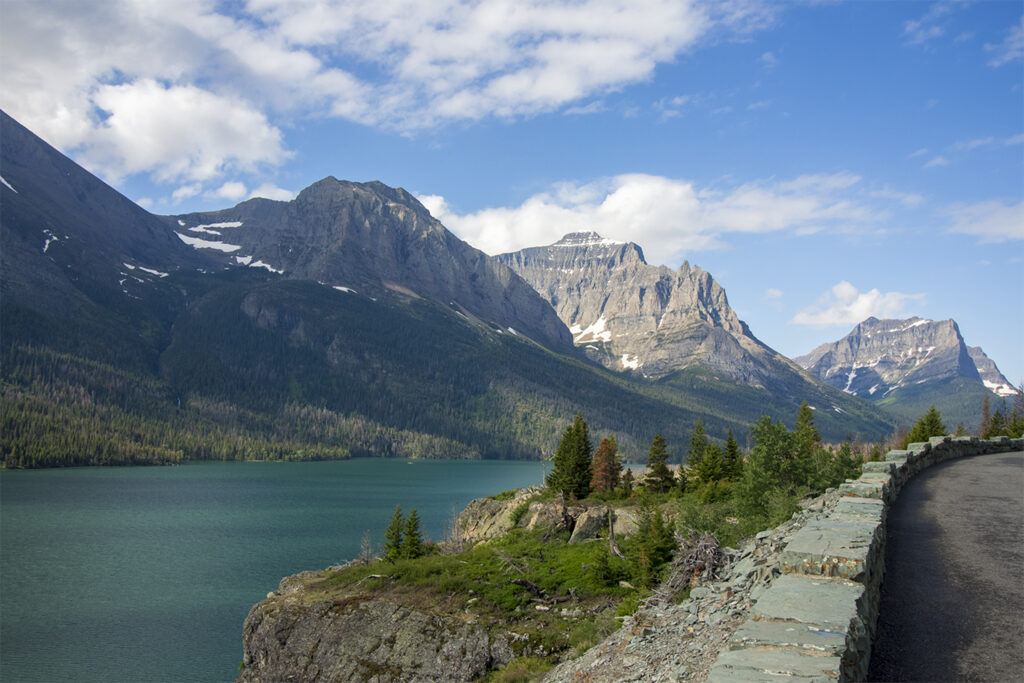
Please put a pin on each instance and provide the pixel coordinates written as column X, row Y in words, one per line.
column 816, row 622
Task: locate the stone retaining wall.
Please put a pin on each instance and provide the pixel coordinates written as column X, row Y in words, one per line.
column 817, row 620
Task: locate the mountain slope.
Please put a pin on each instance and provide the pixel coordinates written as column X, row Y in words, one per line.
column 907, row 365
column 377, row 241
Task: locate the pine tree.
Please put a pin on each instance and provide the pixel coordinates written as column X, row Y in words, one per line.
column 606, row 466
column 986, row 417
column 393, row 536
column 732, row 461
column 927, row 426
column 698, row 444
column 710, row 469
column 763, row 470
column 571, row 474
column 998, row 427
column 960, row 429
column 659, row 477
column 412, row 541
column 806, row 441
column 845, row 465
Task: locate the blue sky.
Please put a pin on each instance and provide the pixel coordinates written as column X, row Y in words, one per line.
column 823, row 161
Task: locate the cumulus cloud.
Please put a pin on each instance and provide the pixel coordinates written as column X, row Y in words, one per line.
column 844, row 304
column 271, row 191
column 76, row 72
column 991, row 221
column 177, row 133
column 668, row 217
column 230, row 190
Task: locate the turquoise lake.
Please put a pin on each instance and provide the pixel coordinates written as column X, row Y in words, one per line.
column 147, row 573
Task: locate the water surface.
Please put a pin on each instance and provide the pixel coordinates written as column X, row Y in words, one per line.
column 147, row 573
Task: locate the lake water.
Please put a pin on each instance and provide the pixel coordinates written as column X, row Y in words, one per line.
column 147, row 573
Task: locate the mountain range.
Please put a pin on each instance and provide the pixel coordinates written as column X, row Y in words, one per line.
column 349, row 321
column 907, row 365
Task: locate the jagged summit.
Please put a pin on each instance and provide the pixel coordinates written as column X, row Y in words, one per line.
column 908, row 365
column 630, row 315
column 880, row 356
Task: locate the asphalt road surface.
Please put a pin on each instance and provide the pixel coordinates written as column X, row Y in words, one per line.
column 953, row 594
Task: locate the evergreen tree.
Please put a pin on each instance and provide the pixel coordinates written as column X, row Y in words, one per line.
column 763, row 470
column 998, row 427
column 927, row 426
column 393, row 536
column 698, row 444
column 986, row 417
column 710, row 469
column 732, row 460
column 659, row 477
column 806, row 443
column 606, row 466
column 412, row 541
column 844, row 465
column 960, row 429
column 571, row 474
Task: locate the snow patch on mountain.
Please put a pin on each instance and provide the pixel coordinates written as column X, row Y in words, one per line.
column 9, row 186
column 207, row 244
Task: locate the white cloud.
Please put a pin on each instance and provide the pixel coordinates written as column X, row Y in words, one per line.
column 271, row 191
column 1014, row 140
column 186, row 191
column 929, row 26
column 936, row 161
column 992, row 221
column 918, row 153
column 1012, row 47
column 230, row 190
column 177, row 133
column 969, row 145
column 769, row 61
column 845, row 305
column 80, row 74
column 773, row 293
column 667, row 217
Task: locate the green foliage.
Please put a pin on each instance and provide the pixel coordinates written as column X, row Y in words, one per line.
column 732, row 460
column 698, row 445
column 650, row 548
column 393, row 547
column 711, row 468
column 929, row 425
column 659, row 477
column 625, row 489
column 518, row 512
column 571, row 473
column 999, row 426
column 412, row 541
column 522, row 670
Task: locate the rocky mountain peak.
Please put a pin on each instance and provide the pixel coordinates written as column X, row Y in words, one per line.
column 993, row 380
column 630, row 315
column 374, row 240
column 879, row 356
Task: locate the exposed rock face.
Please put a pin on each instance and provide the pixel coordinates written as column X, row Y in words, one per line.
column 880, row 356
column 993, row 379
column 288, row 638
column 630, row 315
column 67, row 237
column 375, row 240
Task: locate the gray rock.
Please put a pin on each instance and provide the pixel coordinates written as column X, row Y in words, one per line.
column 589, row 524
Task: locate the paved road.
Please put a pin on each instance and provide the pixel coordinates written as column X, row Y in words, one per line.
column 953, row 593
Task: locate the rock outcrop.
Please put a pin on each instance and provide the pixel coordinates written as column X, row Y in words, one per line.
column 293, row 637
